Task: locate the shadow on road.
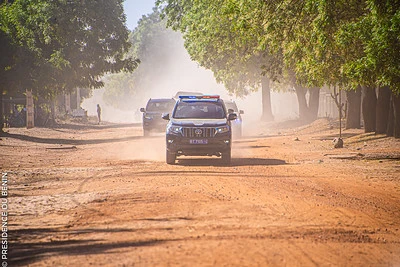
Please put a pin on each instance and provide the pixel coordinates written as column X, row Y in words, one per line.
column 234, row 163
column 333, row 136
column 23, row 253
column 95, row 126
column 61, row 141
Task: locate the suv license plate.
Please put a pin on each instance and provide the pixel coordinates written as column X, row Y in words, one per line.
column 198, row 141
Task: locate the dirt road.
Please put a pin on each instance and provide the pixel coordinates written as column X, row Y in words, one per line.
column 103, row 196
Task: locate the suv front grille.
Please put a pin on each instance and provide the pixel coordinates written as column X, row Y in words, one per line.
column 198, row 131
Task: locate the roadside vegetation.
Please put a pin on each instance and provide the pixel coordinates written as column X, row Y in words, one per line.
column 53, row 47
column 345, row 45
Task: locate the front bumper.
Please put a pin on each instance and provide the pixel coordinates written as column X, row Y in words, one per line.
column 214, row 145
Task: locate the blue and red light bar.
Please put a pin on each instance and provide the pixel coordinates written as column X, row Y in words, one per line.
column 199, row 97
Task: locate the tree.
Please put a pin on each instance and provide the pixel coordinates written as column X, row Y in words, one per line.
column 373, row 52
column 307, row 111
column 5, row 61
column 377, row 30
column 395, row 100
column 15, row 62
column 369, row 101
column 71, row 43
column 314, row 43
column 353, row 116
column 218, row 40
column 241, row 42
column 382, row 110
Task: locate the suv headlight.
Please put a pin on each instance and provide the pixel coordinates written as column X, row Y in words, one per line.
column 148, row 117
column 174, row 129
column 222, row 129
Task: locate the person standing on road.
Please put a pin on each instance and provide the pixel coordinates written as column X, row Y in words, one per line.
column 99, row 113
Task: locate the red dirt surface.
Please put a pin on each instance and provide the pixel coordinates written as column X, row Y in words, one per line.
column 102, row 195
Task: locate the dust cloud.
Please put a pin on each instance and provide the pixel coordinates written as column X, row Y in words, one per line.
column 179, row 73
column 147, row 149
column 109, row 113
column 135, row 147
column 183, row 74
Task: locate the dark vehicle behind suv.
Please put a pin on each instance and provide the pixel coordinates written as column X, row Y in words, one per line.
column 199, row 126
column 152, row 120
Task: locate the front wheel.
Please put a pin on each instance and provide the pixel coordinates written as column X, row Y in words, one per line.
column 226, row 157
column 170, row 157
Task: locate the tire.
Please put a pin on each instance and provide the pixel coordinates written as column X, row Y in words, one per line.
column 227, row 157
column 170, row 158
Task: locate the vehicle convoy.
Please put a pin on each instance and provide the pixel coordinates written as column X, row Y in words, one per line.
column 237, row 125
column 199, row 126
column 152, row 120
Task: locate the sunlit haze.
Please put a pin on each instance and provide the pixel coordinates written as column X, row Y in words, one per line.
column 184, row 75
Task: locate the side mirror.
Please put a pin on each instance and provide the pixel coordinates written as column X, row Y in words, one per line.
column 230, row 111
column 165, row 116
column 241, row 111
column 142, row 110
column 232, row 116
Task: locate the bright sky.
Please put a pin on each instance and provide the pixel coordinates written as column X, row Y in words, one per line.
column 135, row 9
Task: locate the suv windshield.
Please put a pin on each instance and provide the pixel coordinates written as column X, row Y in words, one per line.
column 160, row 106
column 199, row 110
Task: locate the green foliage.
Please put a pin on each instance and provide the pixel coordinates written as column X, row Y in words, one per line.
column 220, row 36
column 377, row 33
column 67, row 44
column 312, row 42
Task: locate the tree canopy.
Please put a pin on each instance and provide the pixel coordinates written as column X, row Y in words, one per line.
column 318, row 41
column 217, row 40
column 68, row 44
column 56, row 46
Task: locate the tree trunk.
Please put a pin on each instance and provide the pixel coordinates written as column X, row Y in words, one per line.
column 369, row 108
column 390, row 124
column 1, row 111
column 301, row 99
column 53, row 111
column 396, row 109
column 307, row 112
column 353, row 109
column 313, row 103
column 382, row 109
column 266, row 100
